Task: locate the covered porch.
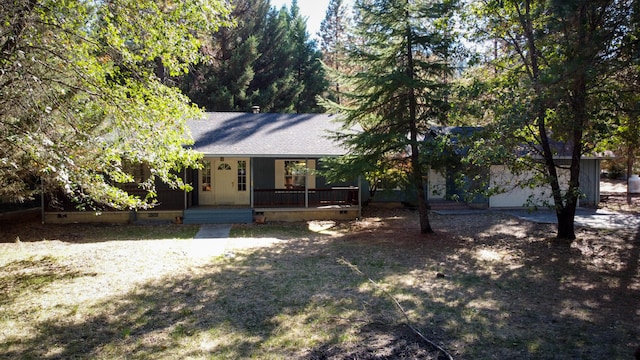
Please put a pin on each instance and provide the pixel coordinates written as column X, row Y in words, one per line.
column 282, row 205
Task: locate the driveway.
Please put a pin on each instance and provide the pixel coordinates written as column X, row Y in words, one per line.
column 600, row 218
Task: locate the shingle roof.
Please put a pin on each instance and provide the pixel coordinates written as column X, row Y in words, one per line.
column 265, row 135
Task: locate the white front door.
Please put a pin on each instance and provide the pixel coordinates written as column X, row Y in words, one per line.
column 224, row 181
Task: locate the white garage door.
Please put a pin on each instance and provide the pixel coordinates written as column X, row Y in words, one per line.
column 515, row 196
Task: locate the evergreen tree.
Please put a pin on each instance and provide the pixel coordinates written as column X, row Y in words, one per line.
column 333, row 40
column 308, row 71
column 273, row 87
column 267, row 60
column 400, row 91
column 221, row 82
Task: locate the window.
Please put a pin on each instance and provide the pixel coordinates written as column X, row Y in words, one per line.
column 139, row 172
column 242, row 175
column 206, row 176
column 224, row 166
column 295, row 174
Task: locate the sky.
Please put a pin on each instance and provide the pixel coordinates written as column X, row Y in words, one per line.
column 313, row 10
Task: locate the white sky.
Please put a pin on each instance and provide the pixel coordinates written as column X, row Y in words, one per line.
column 313, row 10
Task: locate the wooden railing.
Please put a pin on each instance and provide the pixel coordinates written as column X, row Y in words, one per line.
column 296, row 198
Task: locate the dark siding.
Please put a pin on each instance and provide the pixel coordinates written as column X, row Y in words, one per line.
column 264, row 173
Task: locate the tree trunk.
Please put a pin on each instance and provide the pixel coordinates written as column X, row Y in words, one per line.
column 566, row 222
column 416, row 167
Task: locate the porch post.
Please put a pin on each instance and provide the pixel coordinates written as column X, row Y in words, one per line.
column 306, row 182
column 251, row 195
column 359, row 196
column 184, row 180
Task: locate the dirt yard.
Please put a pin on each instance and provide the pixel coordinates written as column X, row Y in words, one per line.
column 485, row 286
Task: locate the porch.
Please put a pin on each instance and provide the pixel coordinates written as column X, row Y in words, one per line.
column 282, row 205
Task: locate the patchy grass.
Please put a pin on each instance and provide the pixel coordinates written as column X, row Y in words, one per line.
column 484, row 287
column 35, row 231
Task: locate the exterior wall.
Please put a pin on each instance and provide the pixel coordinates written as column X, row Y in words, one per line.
column 308, row 214
column 517, row 197
column 109, row 217
column 590, row 182
column 514, row 196
column 264, row 173
column 437, row 188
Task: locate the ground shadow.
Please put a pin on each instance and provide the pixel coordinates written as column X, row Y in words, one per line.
column 494, row 288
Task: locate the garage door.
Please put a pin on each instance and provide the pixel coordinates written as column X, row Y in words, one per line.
column 515, row 196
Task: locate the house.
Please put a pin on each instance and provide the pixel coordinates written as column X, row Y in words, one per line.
column 441, row 186
column 259, row 166
column 256, row 166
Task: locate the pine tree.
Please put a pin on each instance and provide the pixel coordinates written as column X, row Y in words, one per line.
column 401, row 90
column 333, row 38
column 289, row 75
column 307, row 68
column 222, row 82
column 273, row 87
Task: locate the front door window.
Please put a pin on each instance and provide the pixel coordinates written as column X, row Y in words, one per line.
column 206, row 176
column 242, row 175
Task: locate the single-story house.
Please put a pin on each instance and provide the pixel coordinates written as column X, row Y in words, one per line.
column 264, row 166
column 256, row 166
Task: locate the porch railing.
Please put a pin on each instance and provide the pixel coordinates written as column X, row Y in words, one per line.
column 341, row 196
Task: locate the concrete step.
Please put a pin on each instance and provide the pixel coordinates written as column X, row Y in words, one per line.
column 217, row 216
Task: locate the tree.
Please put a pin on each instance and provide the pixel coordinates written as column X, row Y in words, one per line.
column 267, row 60
column 333, row 39
column 554, row 57
column 83, row 96
column 288, row 76
column 222, row 81
column 626, row 92
column 307, row 67
column 401, row 90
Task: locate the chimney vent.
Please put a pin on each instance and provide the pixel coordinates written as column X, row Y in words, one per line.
column 255, row 109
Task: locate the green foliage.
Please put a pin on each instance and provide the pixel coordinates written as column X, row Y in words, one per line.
column 551, row 62
column 83, row 95
column 399, row 90
column 334, row 39
column 268, row 60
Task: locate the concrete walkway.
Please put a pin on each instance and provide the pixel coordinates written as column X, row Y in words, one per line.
column 599, row 219
column 214, row 240
column 211, row 240
column 213, row 231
